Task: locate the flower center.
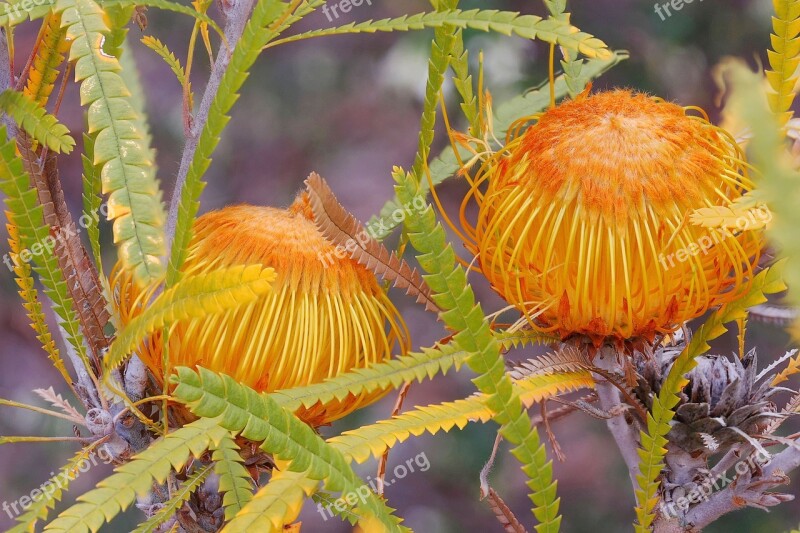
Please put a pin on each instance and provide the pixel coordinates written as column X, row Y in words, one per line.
column 286, row 240
column 617, row 152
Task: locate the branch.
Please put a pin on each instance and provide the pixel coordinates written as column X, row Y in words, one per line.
column 745, row 491
column 6, row 80
column 784, row 462
column 625, row 432
column 236, row 13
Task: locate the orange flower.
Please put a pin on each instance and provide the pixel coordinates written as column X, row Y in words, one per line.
column 325, row 315
column 583, row 219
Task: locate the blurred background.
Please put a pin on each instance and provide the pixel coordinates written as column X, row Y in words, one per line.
column 348, row 107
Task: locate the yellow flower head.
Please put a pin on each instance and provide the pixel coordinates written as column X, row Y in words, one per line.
column 326, row 314
column 583, row 220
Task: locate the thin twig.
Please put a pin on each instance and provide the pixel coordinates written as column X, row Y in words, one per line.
column 40, row 410
column 398, row 405
column 559, row 453
column 62, row 88
column 236, row 13
column 566, row 409
column 6, row 81
column 24, row 76
column 487, row 468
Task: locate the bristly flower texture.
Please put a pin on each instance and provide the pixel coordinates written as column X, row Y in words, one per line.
column 322, row 318
column 583, row 224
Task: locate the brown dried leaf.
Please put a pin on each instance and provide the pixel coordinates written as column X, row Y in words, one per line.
column 344, row 230
column 504, row 514
column 49, row 395
column 566, row 359
column 80, row 273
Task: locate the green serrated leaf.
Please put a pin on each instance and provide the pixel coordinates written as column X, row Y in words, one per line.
column 559, row 32
column 261, row 419
column 36, row 121
column 452, row 292
column 235, row 482
column 14, row 12
column 654, row 440
column 120, row 149
column 256, row 34
column 26, row 214
column 117, row 492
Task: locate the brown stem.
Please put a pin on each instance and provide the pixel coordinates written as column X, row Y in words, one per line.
column 624, row 430
column 398, row 405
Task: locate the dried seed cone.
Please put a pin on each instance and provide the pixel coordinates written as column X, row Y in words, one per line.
column 583, row 219
column 325, row 315
column 721, row 404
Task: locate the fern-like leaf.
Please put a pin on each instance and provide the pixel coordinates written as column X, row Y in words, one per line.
column 261, row 419
column 276, row 504
column 35, row 120
column 394, row 372
column 463, row 83
column 50, row 53
column 80, row 275
column 505, row 22
column 416, row 366
column 57, row 485
column 196, row 296
column 784, row 58
column 28, row 216
column 442, row 47
column 169, row 58
column 117, row 492
column 14, row 12
column 31, row 302
column 662, row 412
column 373, row 440
column 464, row 315
column 235, row 482
column 134, row 202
